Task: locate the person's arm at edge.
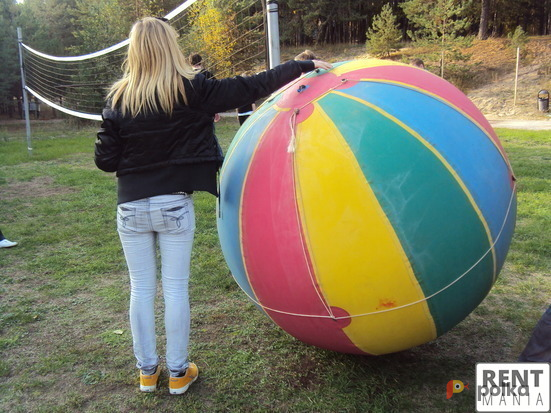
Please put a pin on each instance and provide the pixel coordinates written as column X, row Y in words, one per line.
column 221, row 95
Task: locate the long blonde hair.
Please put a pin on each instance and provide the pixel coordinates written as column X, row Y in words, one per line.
column 152, row 71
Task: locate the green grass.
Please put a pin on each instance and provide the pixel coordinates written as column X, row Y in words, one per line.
column 65, row 338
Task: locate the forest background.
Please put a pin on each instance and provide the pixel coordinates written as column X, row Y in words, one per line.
column 441, row 29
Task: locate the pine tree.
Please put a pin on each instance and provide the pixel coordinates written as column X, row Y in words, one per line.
column 384, row 36
column 484, row 17
column 518, row 38
column 439, row 24
column 9, row 65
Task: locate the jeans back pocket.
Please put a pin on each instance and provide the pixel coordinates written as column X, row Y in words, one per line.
column 126, row 218
column 177, row 218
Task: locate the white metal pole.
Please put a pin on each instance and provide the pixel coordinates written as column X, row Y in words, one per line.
column 273, row 32
column 24, row 92
column 516, row 78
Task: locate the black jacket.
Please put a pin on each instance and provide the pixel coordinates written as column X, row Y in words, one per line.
column 158, row 154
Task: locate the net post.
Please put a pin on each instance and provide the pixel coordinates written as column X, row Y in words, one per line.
column 24, row 92
column 273, row 32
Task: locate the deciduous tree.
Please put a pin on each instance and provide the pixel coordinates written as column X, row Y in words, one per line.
column 212, row 34
column 47, row 25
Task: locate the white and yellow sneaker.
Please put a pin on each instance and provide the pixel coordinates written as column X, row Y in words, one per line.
column 179, row 385
column 148, row 383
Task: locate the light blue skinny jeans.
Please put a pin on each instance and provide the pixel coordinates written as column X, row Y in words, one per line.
column 170, row 220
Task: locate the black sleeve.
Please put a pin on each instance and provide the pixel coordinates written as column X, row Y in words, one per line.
column 108, row 148
column 214, row 96
column 306, row 65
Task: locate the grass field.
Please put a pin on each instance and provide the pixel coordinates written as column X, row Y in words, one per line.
column 65, row 339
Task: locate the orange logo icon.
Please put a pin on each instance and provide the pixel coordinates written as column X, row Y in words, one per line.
column 455, row 386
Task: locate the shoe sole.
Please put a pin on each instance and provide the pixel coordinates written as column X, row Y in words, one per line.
column 182, row 390
column 153, row 378
column 148, row 389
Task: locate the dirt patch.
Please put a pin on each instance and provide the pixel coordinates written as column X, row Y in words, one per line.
column 499, row 99
column 501, row 94
column 38, row 187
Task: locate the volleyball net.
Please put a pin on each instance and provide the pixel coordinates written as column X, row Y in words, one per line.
column 229, row 35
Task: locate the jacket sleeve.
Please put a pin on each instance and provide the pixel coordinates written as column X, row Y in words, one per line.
column 108, row 148
column 214, row 96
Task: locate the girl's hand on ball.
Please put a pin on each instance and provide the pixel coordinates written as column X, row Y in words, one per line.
column 322, row 65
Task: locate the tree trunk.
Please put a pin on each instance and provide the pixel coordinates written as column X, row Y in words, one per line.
column 495, row 25
column 484, row 13
column 543, row 12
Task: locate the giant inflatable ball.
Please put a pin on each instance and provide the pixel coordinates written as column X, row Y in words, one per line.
column 367, row 209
